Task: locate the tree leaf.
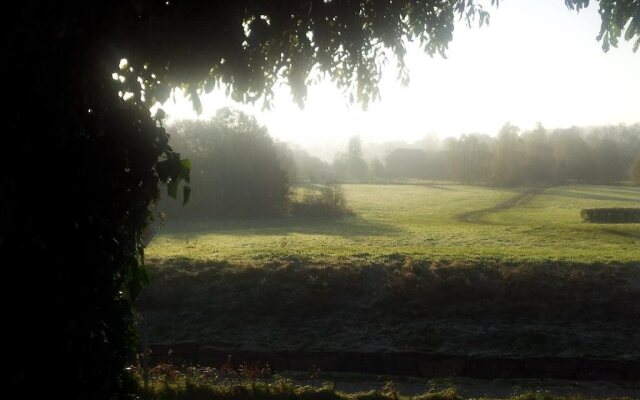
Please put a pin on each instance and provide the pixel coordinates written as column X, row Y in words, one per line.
column 186, row 193
column 186, row 169
column 172, row 188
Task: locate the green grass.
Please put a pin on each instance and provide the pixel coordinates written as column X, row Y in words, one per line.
column 485, row 309
column 423, row 221
column 436, row 268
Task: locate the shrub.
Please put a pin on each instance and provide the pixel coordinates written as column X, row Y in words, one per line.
column 329, row 201
column 611, row 215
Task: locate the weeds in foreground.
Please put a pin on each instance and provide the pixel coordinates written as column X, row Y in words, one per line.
column 256, row 382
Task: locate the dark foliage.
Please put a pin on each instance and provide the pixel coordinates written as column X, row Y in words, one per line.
column 238, row 170
column 82, row 167
column 611, row 215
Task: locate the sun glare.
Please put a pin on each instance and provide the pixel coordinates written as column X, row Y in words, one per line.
column 535, row 62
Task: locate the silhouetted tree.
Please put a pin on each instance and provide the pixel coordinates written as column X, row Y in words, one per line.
column 238, row 170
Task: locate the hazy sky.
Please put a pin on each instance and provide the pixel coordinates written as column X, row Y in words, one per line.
column 536, row 61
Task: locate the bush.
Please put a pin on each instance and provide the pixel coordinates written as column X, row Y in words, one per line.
column 326, row 202
column 611, row 215
column 237, row 170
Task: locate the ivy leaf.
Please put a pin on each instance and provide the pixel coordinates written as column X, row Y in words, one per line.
column 186, row 193
column 172, row 188
column 186, row 169
column 164, row 170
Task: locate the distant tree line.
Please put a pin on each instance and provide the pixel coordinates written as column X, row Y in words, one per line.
column 596, row 155
column 606, row 154
column 238, row 170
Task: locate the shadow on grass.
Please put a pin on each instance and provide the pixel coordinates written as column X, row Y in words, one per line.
column 346, row 226
column 521, row 310
column 439, row 185
column 625, row 234
column 590, row 196
column 613, row 189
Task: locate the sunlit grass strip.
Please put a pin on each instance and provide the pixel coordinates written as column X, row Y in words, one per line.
column 421, row 221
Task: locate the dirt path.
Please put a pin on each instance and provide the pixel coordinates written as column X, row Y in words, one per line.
column 475, row 216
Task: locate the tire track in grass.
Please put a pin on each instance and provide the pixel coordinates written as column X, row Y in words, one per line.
column 475, row 216
column 623, row 234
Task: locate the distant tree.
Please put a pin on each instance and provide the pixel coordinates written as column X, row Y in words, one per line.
column 469, row 159
column 538, row 163
column 340, row 166
column 608, row 165
column 613, row 149
column 628, row 139
column 311, row 169
column 437, row 165
column 354, row 150
column 407, row 163
column 378, row 169
column 350, row 165
column 508, row 160
column 572, row 155
column 238, row 169
column 358, row 169
column 634, row 171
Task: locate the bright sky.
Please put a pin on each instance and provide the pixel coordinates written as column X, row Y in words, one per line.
column 536, row 62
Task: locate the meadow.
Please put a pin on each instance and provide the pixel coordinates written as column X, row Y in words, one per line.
column 421, row 267
column 426, row 221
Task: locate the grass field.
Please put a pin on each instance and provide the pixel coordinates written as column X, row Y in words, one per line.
column 428, row 221
column 434, row 268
